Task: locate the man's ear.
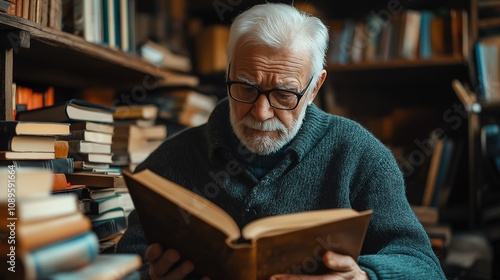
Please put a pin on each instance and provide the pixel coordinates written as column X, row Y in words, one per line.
column 318, row 85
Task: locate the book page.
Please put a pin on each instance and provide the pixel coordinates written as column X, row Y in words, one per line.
column 279, row 224
column 301, row 251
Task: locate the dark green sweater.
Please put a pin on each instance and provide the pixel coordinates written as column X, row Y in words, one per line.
column 333, row 162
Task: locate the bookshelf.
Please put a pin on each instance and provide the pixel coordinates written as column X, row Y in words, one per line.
column 483, row 110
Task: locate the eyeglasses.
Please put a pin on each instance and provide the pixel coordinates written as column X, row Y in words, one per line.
column 278, row 98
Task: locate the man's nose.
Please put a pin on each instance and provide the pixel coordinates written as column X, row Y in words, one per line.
column 262, row 110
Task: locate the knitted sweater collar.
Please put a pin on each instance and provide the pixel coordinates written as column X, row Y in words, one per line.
column 219, row 132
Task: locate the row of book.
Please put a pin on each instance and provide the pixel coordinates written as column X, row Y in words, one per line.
column 487, row 51
column 47, row 236
column 43, row 12
column 411, row 34
column 108, row 22
column 28, row 98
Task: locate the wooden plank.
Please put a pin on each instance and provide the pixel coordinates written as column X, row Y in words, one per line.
column 6, row 102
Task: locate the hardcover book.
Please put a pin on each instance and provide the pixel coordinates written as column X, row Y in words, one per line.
column 70, row 111
column 28, row 144
column 86, row 147
column 206, row 235
column 65, row 255
column 33, row 235
column 93, row 126
column 8, row 155
column 87, row 135
column 58, row 165
column 105, row 266
column 96, row 179
column 24, row 183
column 11, row 128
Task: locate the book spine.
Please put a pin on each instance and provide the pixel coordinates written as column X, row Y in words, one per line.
column 79, row 193
column 101, row 205
column 7, row 129
column 58, row 165
column 5, row 143
column 109, row 227
column 65, row 255
column 33, row 236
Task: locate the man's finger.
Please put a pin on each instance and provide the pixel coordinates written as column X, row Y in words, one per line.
column 153, row 252
column 163, row 264
column 338, row 262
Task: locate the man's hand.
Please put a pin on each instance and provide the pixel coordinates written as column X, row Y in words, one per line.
column 343, row 267
column 161, row 262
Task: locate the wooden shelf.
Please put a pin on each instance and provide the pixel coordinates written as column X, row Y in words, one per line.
column 488, row 4
column 428, row 73
column 399, row 64
column 63, row 59
column 488, row 23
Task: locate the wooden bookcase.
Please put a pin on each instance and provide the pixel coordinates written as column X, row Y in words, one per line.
column 484, row 182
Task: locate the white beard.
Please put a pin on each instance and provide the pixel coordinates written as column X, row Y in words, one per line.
column 265, row 145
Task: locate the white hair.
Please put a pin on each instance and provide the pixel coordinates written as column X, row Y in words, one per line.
column 281, row 26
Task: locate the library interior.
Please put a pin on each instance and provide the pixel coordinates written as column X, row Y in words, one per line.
column 90, row 88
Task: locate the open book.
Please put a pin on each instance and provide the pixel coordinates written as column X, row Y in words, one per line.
column 206, row 235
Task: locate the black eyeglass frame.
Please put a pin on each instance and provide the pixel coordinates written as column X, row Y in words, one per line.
column 260, row 91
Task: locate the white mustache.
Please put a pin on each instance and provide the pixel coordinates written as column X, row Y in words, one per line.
column 268, row 125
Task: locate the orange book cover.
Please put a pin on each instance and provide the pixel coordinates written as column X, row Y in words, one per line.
column 61, row 148
column 60, row 182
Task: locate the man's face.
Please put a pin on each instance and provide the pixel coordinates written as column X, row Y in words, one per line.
column 260, row 127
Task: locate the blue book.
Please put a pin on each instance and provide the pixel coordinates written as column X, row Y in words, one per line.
column 346, row 42
column 443, row 170
column 425, row 35
column 109, row 224
column 487, row 70
column 65, row 255
column 58, row 165
column 105, row 25
column 101, row 205
column 106, row 266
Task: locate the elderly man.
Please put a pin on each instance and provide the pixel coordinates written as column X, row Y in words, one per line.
column 289, row 155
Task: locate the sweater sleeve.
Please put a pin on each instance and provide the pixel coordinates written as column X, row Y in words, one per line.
column 396, row 245
column 134, row 241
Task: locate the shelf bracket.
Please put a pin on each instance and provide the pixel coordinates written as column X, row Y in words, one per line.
column 14, row 39
column 10, row 42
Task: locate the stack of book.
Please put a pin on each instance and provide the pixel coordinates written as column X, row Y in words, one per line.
column 29, row 140
column 41, row 234
column 33, row 144
column 104, row 201
column 136, row 134
column 184, row 105
column 91, row 130
column 90, row 144
column 44, row 236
